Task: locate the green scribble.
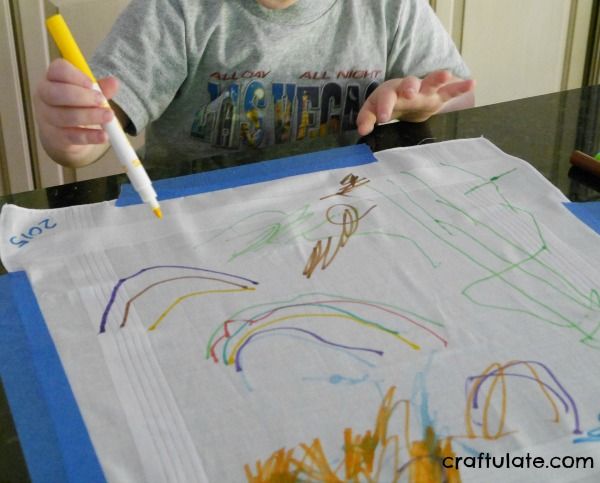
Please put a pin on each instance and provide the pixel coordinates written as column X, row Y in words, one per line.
column 292, row 226
column 452, row 234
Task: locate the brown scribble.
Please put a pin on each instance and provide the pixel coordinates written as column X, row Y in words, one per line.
column 348, row 224
column 349, row 182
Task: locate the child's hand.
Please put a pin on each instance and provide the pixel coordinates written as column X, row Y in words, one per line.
column 413, row 99
column 69, row 113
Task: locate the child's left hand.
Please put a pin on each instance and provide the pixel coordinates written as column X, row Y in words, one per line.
column 415, row 100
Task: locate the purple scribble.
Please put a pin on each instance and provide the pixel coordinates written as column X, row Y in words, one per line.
column 238, row 364
column 118, row 285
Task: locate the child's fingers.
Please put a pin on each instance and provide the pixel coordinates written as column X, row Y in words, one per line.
column 378, row 107
column 62, row 94
column 77, row 136
column 61, row 74
column 432, row 82
column 385, row 102
column 408, row 87
column 366, row 119
column 83, row 136
column 109, row 86
column 409, row 98
column 75, row 116
column 455, row 89
column 60, row 70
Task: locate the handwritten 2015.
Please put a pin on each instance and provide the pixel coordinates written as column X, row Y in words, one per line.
column 36, row 230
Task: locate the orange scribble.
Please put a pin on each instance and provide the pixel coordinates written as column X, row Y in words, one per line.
column 496, row 377
column 279, row 467
column 378, row 455
column 425, row 464
column 364, row 456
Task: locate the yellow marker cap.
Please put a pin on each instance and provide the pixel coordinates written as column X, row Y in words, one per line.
column 66, row 44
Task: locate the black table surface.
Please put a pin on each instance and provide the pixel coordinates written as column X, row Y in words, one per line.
column 543, row 130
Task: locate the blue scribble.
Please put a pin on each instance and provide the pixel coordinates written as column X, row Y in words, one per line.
column 593, row 436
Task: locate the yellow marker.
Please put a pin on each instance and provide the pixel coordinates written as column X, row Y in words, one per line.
column 125, row 153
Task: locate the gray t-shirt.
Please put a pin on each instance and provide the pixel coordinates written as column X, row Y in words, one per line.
column 203, row 75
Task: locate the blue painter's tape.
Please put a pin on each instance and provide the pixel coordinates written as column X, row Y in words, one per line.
column 220, row 179
column 24, row 394
column 588, row 212
column 52, row 433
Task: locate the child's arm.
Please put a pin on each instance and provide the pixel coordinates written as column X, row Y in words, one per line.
column 414, row 99
column 69, row 113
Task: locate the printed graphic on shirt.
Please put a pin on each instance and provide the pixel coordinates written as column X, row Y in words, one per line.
column 248, row 110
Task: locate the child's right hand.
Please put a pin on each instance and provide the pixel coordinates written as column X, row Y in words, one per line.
column 69, row 114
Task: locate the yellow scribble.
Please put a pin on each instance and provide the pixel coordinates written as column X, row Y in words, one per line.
column 178, row 300
column 256, row 328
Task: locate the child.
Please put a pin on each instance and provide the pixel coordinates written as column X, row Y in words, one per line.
column 203, row 75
